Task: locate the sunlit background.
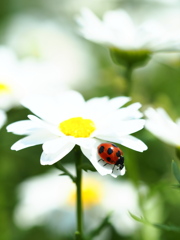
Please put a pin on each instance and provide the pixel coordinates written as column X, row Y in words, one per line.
column 42, row 52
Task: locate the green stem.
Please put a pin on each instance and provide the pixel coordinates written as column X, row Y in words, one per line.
column 128, row 77
column 132, row 166
column 79, row 208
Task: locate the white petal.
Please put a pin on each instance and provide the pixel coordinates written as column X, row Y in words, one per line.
column 87, row 20
column 133, row 143
column 117, row 102
column 22, row 127
column 161, row 133
column 53, row 109
column 117, row 19
column 120, row 128
column 122, row 28
column 32, row 140
column 128, row 127
column 42, row 124
column 106, row 104
column 160, row 116
column 84, row 142
column 54, row 145
column 161, row 125
column 116, row 29
column 42, row 106
column 117, row 172
column 130, row 112
column 36, row 120
column 51, row 158
column 101, row 110
column 70, row 104
column 97, row 103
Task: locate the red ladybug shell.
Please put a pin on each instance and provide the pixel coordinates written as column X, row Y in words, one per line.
column 111, row 154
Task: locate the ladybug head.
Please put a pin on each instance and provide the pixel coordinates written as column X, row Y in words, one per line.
column 120, row 162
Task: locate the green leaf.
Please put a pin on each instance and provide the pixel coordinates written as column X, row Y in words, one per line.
column 176, row 171
column 140, row 219
column 165, row 227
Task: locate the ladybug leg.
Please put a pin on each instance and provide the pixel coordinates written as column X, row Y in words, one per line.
column 103, row 161
column 105, row 164
column 113, row 168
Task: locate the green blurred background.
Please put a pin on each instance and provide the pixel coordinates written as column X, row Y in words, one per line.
column 156, row 84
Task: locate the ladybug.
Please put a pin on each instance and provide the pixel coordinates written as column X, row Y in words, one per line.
column 111, row 154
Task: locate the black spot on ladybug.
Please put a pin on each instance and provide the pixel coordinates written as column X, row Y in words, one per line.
column 101, row 149
column 108, row 159
column 118, row 154
column 109, row 151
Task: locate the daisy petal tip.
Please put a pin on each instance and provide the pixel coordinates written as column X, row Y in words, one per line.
column 46, row 159
column 15, row 148
column 45, row 163
column 8, row 128
column 118, row 172
column 42, row 162
column 144, row 148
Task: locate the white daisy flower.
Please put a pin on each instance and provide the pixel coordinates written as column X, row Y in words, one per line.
column 36, row 59
column 20, row 78
column 118, row 30
column 2, row 118
column 54, row 208
column 53, row 42
column 162, row 126
column 67, row 119
column 8, row 77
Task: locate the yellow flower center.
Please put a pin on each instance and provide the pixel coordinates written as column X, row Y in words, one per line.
column 77, row 127
column 92, row 193
column 4, row 88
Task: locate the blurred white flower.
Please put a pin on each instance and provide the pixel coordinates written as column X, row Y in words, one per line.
column 40, row 57
column 67, row 119
column 50, row 199
column 8, row 78
column 53, row 42
column 20, row 78
column 168, row 16
column 2, row 118
column 162, row 126
column 118, row 30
